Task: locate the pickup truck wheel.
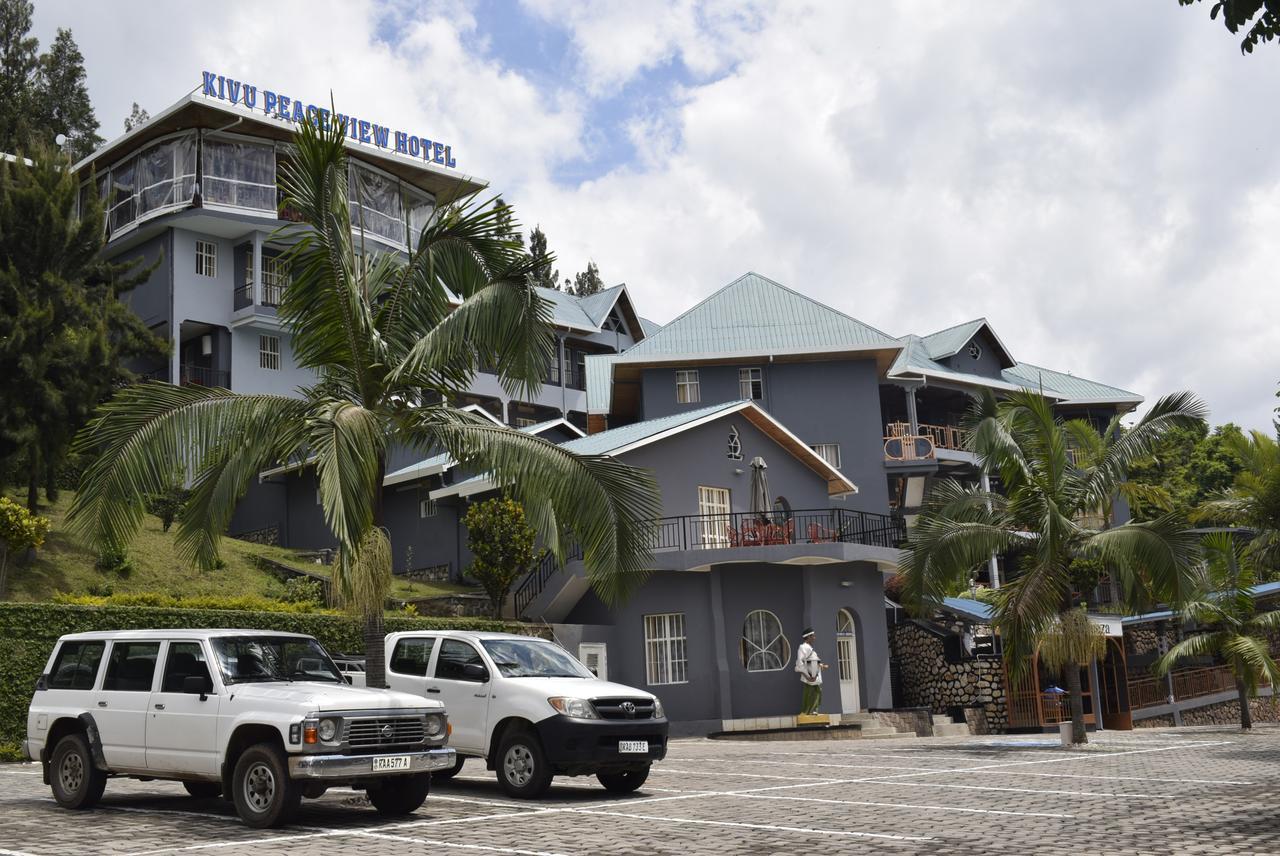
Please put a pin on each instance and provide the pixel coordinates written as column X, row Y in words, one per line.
column 264, row 794
column 75, row 781
column 401, row 795
column 450, row 772
column 203, row 790
column 523, row 770
column 624, row 781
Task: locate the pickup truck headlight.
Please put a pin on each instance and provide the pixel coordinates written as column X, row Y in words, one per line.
column 658, row 712
column 576, row 708
column 435, row 725
column 328, row 730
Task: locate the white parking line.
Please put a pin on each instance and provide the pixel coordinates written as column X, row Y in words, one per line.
column 766, row 826
column 4, row 852
column 488, row 848
column 1120, row 778
column 723, row 773
column 944, row 808
column 248, row 842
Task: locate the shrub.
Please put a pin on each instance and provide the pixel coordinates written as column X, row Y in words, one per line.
column 114, row 560
column 168, row 505
column 20, row 531
column 502, row 544
column 303, row 590
column 211, row 602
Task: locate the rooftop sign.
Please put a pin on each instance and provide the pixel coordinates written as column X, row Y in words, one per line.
column 293, row 110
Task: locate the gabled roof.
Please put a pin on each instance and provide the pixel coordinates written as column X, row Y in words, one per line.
column 1068, row 387
column 437, row 464
column 541, row 427
column 566, row 311
column 755, row 316
column 597, row 305
column 948, row 342
column 618, row 441
column 649, row 327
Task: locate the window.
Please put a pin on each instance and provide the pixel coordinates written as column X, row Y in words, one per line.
column 184, row 660
column 269, row 352
column 664, row 649
column 166, row 174
column 713, row 516
column 239, row 174
column 525, row 422
column 829, row 452
column 750, row 384
column 734, row 452
column 76, row 666
column 763, row 647
column 131, row 667
column 411, row 656
column 275, row 277
column 427, row 508
column 975, row 350
column 687, row 388
column 376, row 206
column 206, row 258
column 453, row 656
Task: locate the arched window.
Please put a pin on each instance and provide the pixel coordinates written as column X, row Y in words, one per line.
column 763, row 647
column 735, row 444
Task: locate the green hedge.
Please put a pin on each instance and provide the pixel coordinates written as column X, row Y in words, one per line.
column 29, row 631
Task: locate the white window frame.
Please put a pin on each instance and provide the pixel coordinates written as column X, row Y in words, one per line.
column 427, row 508
column 275, row 279
column 714, row 515
column 206, row 258
column 525, row 422
column 750, row 649
column 666, row 659
column 269, row 352
column 825, row 451
column 688, row 386
column 748, row 380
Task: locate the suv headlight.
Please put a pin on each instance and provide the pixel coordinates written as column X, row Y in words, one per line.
column 327, row 730
column 576, row 708
column 658, row 712
column 435, row 725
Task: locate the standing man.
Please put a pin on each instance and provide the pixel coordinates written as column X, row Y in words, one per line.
column 810, row 667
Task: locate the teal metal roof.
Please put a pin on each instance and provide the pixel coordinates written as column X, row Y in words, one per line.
column 597, row 306
column 649, row 327
column 600, row 382
column 567, row 310
column 755, row 315
column 945, row 343
column 618, row 438
column 1067, row 386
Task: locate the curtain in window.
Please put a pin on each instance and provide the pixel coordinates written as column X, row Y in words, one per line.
column 239, row 174
column 376, row 204
column 420, row 211
column 166, row 174
column 123, row 205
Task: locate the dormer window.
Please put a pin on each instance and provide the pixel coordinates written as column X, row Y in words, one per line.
column 975, row 350
column 735, row 444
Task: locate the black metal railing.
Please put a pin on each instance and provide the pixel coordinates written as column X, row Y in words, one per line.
column 201, row 376
column 744, row 529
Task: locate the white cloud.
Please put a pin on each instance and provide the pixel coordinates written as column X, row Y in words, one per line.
column 1097, row 179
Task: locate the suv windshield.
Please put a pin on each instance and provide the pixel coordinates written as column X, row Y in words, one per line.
column 525, row 658
column 245, row 659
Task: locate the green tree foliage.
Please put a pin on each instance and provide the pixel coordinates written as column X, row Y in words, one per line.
column 1191, row 465
column 544, row 274
column 1253, row 499
column 1231, row 626
column 588, row 281
column 136, row 117
column 64, row 333
column 502, row 543
column 20, row 530
column 168, row 504
column 1046, row 517
column 1240, row 14
column 380, row 333
column 42, row 95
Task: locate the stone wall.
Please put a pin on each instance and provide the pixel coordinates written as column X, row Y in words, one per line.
column 1163, row 721
column 1144, row 639
column 928, row 680
column 454, row 606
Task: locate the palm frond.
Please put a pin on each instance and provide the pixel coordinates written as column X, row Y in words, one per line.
column 1162, row 552
column 349, row 447
column 1200, row 645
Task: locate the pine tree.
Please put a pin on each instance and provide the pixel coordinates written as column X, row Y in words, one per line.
column 545, row 274
column 588, row 282
column 61, row 99
column 64, row 332
column 137, row 116
column 19, row 63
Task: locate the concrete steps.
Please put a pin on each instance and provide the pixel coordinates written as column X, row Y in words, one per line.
column 871, row 727
column 945, row 726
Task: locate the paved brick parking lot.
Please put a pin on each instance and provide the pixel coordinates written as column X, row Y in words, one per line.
column 1190, row 791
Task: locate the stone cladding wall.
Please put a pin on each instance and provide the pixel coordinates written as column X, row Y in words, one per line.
column 928, row 680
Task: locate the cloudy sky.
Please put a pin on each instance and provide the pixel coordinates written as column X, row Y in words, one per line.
column 1100, row 180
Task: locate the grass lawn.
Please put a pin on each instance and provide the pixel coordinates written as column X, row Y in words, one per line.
column 64, row 565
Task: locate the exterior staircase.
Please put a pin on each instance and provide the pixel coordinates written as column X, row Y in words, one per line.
column 945, row 726
column 870, row 727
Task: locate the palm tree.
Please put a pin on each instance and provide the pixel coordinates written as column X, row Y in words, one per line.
column 392, row 342
column 1253, row 500
column 1048, row 515
column 1233, row 628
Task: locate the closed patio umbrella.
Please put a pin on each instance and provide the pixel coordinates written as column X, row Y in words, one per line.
column 760, row 502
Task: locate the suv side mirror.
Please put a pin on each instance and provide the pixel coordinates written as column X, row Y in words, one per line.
column 475, row 672
column 200, row 685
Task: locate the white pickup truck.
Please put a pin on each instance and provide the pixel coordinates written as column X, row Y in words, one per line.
column 530, row 710
column 262, row 718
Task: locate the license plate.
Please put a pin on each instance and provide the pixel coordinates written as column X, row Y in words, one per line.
column 628, row 747
column 391, row 762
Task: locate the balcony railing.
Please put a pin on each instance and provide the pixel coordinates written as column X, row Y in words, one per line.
column 903, row 444
column 745, row 529
column 1187, row 684
column 272, row 294
column 201, row 376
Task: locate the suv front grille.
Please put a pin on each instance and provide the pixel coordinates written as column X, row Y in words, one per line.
column 618, row 708
column 384, row 731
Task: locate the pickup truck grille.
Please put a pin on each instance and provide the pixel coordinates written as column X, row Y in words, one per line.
column 384, row 731
column 623, row 708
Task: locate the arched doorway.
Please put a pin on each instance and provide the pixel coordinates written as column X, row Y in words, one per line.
column 847, row 660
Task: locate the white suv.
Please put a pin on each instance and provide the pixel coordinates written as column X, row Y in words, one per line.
column 530, row 710
column 271, row 722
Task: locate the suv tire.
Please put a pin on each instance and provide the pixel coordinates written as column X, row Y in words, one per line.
column 401, row 795
column 450, row 772
column 203, row 790
column 623, row 781
column 523, row 771
column 264, row 794
column 76, row 783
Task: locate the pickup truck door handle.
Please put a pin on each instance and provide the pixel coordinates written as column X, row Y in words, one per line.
column 102, row 704
column 481, row 695
column 433, row 689
column 159, row 707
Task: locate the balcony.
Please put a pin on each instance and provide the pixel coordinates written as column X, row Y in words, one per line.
column 903, row 444
column 1187, row 684
column 189, row 375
